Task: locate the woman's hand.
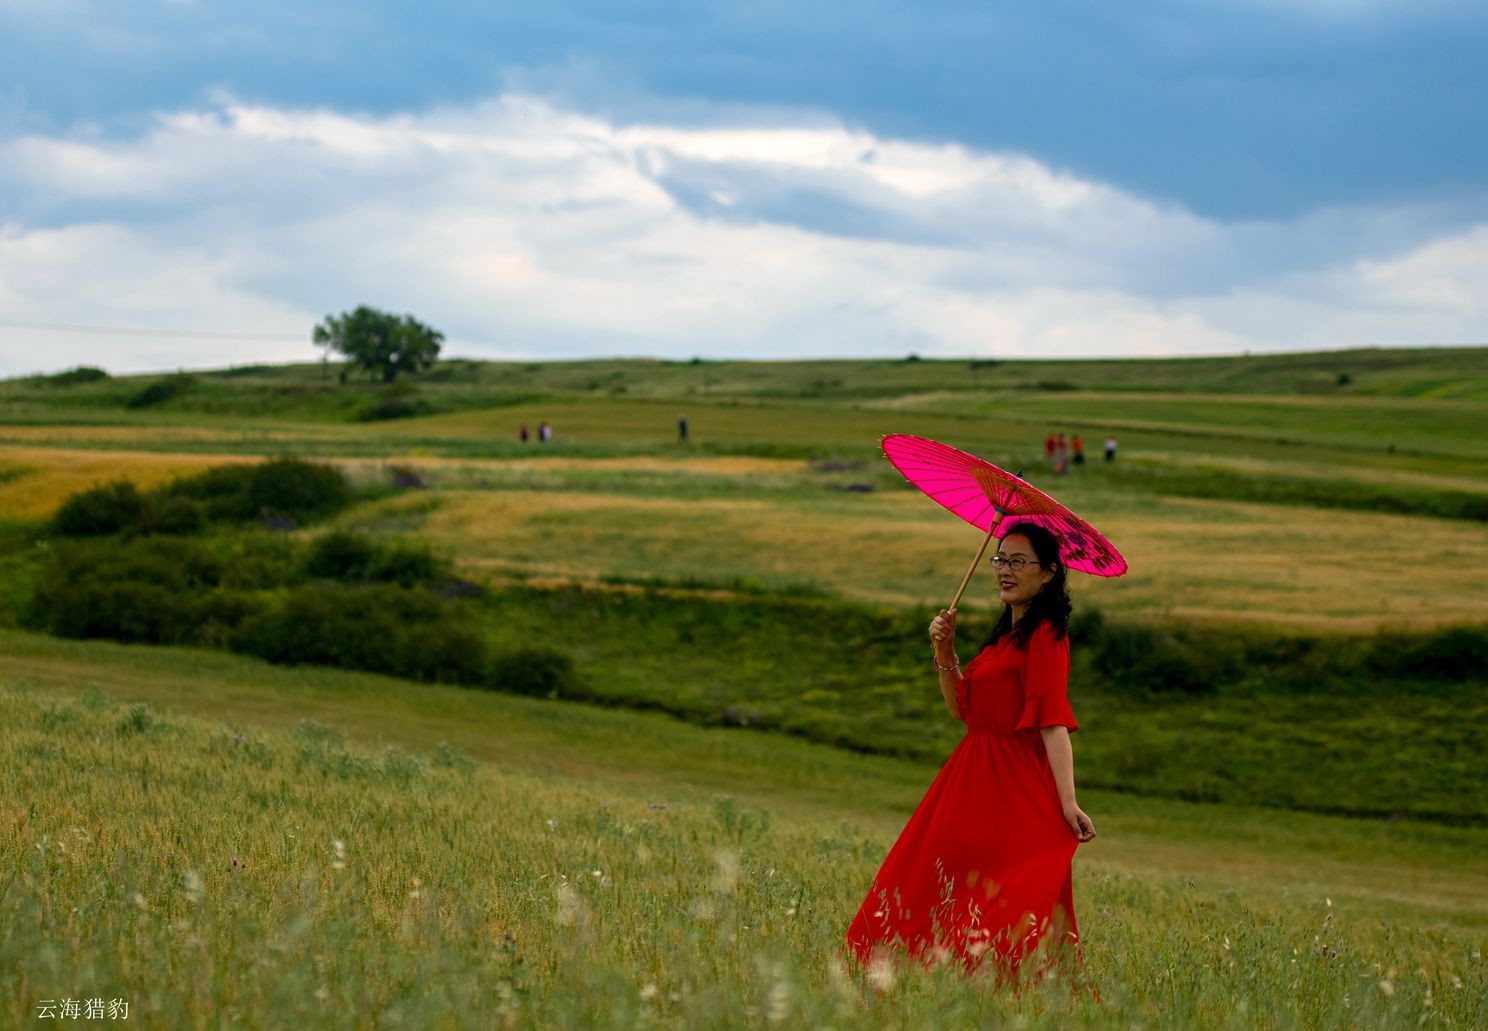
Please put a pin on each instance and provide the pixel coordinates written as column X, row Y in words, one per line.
column 1078, row 822
column 943, row 633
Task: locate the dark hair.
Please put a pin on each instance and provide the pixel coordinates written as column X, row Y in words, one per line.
column 1050, row 605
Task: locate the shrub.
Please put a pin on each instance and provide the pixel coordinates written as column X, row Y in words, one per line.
column 148, row 592
column 121, row 610
column 406, row 564
column 1452, row 654
column 394, row 408
column 539, row 672
column 176, row 515
column 111, row 508
column 382, row 629
column 340, row 556
column 161, row 391
column 257, row 561
column 289, row 488
column 296, row 489
column 1152, row 659
column 75, row 377
column 222, row 491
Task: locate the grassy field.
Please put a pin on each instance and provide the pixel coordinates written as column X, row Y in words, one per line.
column 214, row 840
column 169, row 822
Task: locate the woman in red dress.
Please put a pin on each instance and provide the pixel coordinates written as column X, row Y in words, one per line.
column 983, row 866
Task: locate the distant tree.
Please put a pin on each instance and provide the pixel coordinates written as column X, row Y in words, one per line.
column 380, row 342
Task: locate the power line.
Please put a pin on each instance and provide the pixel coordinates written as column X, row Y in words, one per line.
column 138, row 332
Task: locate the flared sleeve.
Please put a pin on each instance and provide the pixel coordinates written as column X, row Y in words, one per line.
column 963, row 687
column 1046, row 683
column 963, row 697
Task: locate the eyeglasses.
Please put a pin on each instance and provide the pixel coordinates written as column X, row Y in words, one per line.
column 1015, row 563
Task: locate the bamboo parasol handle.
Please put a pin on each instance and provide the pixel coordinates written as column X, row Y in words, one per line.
column 980, row 552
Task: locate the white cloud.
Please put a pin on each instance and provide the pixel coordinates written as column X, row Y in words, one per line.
column 523, row 229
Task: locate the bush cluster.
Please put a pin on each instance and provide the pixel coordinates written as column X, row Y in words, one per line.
column 162, row 390
column 381, row 628
column 74, row 377
column 1450, row 654
column 340, row 600
column 1202, row 660
column 388, row 408
column 282, row 492
column 1129, row 656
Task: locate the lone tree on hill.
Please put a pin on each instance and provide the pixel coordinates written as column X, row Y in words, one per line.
column 379, row 341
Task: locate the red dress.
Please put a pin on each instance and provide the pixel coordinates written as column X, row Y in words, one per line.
column 984, row 863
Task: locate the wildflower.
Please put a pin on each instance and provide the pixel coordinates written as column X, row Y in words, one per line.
column 881, row 974
column 649, row 992
column 727, row 876
column 552, row 825
column 570, row 909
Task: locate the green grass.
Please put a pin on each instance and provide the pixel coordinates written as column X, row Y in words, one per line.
column 1251, row 496
column 183, row 841
column 1437, row 372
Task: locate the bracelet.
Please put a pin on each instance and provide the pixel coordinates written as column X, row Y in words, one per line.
column 945, row 669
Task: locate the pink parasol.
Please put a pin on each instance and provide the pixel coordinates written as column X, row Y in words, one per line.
column 985, row 495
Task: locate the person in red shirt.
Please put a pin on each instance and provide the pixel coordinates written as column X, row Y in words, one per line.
column 982, row 870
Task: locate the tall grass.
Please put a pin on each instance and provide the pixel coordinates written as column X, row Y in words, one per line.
column 208, row 873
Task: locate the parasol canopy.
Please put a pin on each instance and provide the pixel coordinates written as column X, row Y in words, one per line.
column 985, row 495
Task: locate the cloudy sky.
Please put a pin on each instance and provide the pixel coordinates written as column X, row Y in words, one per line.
column 191, row 183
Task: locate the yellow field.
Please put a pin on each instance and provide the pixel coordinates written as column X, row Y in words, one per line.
column 42, row 478
column 1193, row 559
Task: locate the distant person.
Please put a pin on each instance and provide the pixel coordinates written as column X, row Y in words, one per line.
column 1049, row 447
column 544, row 432
column 1110, row 449
column 522, row 433
column 682, row 429
column 1060, row 447
column 1078, row 445
column 980, row 874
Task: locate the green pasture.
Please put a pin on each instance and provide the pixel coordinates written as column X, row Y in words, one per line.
column 1202, row 560
column 221, row 841
column 1436, row 372
column 212, row 840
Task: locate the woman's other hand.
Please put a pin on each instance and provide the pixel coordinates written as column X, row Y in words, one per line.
column 1078, row 822
column 943, row 633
